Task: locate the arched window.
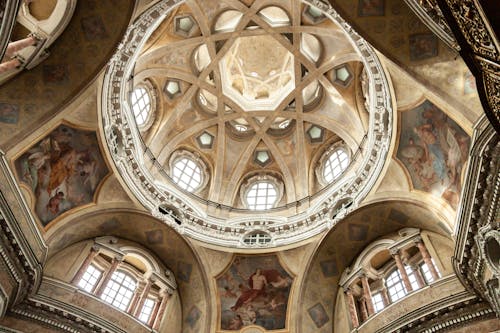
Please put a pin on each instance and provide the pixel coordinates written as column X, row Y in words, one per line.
column 119, row 290
column 187, row 174
column 395, row 286
column 335, row 164
column 262, row 195
column 141, row 103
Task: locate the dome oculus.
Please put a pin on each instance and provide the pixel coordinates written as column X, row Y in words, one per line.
column 260, row 100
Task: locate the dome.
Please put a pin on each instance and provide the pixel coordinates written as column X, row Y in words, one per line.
column 263, row 120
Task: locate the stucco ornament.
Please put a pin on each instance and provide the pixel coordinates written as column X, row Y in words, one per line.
column 225, row 225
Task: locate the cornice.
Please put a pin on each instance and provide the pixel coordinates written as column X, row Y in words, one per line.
column 62, row 316
column 450, row 316
column 130, row 156
column 477, row 218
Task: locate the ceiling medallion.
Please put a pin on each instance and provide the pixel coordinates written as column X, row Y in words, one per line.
column 263, row 79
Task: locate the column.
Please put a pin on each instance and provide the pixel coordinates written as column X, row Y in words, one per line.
column 364, row 312
column 9, row 65
column 352, row 308
column 418, row 276
column 385, row 296
column 402, row 271
column 161, row 311
column 367, row 294
column 135, row 299
column 18, row 45
column 114, row 265
column 94, row 250
column 427, row 259
column 142, row 299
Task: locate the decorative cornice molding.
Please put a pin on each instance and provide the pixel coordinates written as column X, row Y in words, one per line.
column 128, row 152
column 477, row 221
column 450, row 316
column 16, row 251
column 62, row 316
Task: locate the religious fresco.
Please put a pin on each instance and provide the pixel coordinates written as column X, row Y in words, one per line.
column 423, row 46
column 63, row 170
column 254, row 290
column 434, row 150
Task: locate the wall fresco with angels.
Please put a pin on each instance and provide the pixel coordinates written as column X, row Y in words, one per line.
column 434, row 149
column 63, row 170
column 254, row 290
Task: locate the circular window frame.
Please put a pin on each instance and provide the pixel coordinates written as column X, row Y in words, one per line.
column 153, row 96
column 319, row 170
column 198, row 160
column 249, row 182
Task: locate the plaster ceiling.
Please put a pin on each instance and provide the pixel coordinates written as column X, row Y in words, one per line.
column 258, row 93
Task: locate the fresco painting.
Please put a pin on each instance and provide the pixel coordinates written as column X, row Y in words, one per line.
column 423, row 46
column 9, row 113
column 318, row 315
column 469, row 83
column 63, row 170
column 371, row 7
column 434, row 149
column 193, row 315
column 254, row 290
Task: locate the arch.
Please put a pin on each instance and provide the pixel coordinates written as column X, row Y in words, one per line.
column 155, row 236
column 346, row 240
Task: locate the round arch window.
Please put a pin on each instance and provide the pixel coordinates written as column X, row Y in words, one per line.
column 188, row 171
column 335, row 164
column 142, row 103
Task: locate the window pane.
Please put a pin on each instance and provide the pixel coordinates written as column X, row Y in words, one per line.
column 187, row 174
column 262, row 195
column 119, row 290
column 89, row 278
column 146, row 310
column 141, row 105
column 395, row 286
column 378, row 302
column 336, row 163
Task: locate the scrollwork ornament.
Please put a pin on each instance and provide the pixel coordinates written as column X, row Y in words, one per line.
column 473, row 28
